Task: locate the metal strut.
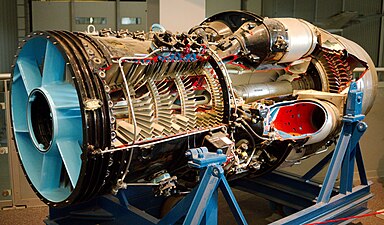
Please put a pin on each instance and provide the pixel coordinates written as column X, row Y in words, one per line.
column 204, row 207
column 200, row 207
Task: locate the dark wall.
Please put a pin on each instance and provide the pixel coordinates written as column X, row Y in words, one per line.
column 8, row 34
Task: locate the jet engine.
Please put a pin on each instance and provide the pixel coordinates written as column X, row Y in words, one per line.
column 96, row 112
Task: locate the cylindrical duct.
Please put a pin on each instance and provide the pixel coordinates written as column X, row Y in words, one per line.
column 254, row 92
column 302, row 39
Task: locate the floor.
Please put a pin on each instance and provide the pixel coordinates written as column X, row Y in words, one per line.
column 255, row 209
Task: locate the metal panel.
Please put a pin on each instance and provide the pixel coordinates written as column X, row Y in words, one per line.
column 254, row 6
column 8, row 45
column 8, row 34
column 285, row 8
column 269, row 8
column 369, row 26
column 13, row 183
column 280, row 8
column 95, row 9
column 381, row 44
column 134, row 10
column 5, row 179
column 305, row 9
column 23, row 195
column 50, row 16
column 327, row 8
column 153, row 12
column 366, row 7
column 366, row 34
column 185, row 14
column 213, row 6
column 45, row 15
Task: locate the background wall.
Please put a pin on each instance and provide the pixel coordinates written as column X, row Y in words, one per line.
column 181, row 15
column 8, row 34
column 111, row 14
column 213, row 6
column 8, row 46
column 43, row 12
column 373, row 140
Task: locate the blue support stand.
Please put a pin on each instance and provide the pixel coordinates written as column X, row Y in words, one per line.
column 203, row 208
column 316, row 202
column 198, row 207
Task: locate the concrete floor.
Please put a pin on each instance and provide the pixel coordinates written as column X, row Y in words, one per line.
column 255, row 209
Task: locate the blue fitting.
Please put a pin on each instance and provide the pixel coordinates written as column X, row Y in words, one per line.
column 188, row 154
column 361, row 126
column 201, row 157
column 354, row 101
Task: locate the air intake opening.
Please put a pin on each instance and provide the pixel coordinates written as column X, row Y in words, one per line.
column 40, row 120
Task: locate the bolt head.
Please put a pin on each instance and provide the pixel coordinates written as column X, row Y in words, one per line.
column 361, row 127
column 215, row 171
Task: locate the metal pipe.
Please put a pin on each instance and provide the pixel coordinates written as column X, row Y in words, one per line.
column 362, row 69
column 254, row 92
column 302, row 39
column 5, row 76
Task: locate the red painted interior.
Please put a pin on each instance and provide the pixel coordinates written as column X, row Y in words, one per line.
column 297, row 119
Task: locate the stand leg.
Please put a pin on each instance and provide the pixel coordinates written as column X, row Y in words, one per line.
column 319, row 166
column 211, row 214
column 334, row 167
column 360, row 166
column 233, row 205
column 178, row 210
column 347, row 171
column 204, row 193
column 201, row 205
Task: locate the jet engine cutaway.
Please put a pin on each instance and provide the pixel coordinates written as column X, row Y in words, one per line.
column 96, row 112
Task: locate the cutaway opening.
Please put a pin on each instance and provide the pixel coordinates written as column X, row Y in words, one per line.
column 299, row 119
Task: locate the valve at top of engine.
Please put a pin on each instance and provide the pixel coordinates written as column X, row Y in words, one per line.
column 93, row 113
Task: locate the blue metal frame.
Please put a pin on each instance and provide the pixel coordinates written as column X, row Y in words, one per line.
column 198, row 207
column 319, row 202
